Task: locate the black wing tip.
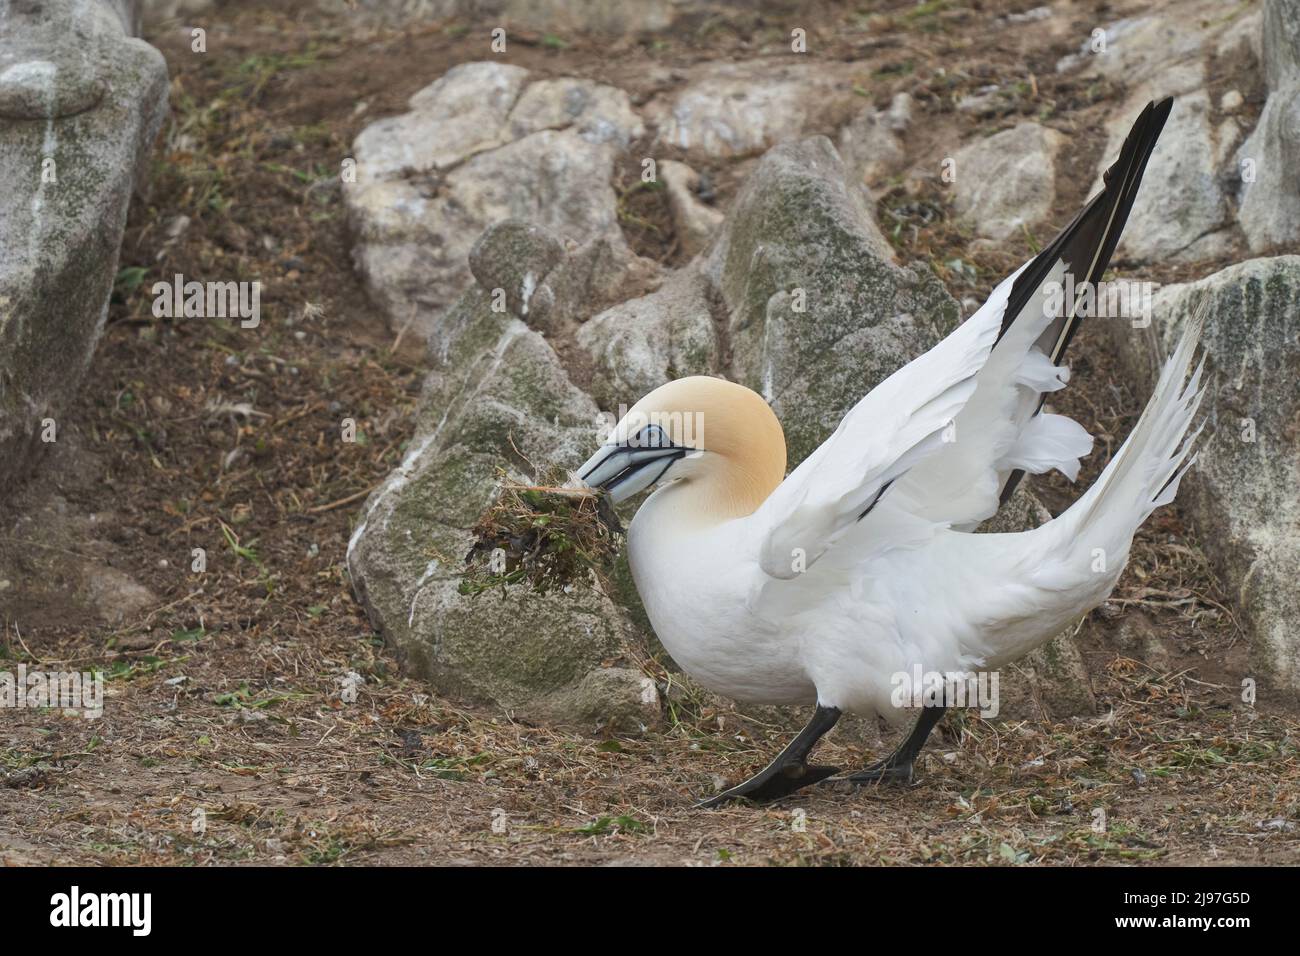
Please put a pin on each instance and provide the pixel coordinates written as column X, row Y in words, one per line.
column 1120, row 185
column 1132, row 163
column 1140, row 142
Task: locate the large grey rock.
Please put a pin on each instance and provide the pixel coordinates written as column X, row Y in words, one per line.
column 497, row 395
column 1181, row 212
column 727, row 110
column 1244, row 493
column 482, row 145
column 80, row 104
column 1280, row 42
column 815, row 311
column 638, row 345
column 1140, row 49
column 1007, row 182
column 1270, row 204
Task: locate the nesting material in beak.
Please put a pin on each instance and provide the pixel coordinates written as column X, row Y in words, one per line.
column 624, row 470
column 546, row 536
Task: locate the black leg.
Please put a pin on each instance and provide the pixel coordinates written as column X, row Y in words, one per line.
column 790, row 770
column 897, row 767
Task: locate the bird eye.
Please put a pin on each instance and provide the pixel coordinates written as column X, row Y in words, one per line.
column 652, row 436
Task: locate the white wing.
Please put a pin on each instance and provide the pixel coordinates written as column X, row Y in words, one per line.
column 899, row 423
column 955, row 427
column 1001, row 432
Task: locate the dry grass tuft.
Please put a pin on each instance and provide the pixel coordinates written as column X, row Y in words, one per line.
column 547, row 536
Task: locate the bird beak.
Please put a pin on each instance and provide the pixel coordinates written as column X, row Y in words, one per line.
column 623, row 470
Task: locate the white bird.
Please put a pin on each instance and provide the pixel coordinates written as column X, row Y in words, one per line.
column 861, row 565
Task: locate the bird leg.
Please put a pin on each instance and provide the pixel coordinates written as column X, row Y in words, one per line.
column 898, row 766
column 789, row 771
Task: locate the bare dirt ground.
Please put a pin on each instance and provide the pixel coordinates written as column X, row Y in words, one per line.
column 224, row 699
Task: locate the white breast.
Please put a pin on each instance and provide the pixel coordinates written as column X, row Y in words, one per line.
column 695, row 584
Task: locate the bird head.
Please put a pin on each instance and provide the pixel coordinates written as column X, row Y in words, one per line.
column 714, row 436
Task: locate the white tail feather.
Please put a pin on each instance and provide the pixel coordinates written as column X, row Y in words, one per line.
column 1145, row 473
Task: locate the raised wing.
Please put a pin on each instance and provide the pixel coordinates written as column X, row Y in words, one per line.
column 953, row 431
column 1002, row 432
column 899, row 423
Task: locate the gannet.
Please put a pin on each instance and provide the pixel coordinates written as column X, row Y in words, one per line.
column 820, row 587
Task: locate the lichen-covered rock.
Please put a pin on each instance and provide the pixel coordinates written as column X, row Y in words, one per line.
column 610, row 700
column 1007, row 182
column 497, row 396
column 816, row 312
column 479, row 146
column 80, row 104
column 638, row 345
column 512, row 259
column 1244, row 492
column 797, row 298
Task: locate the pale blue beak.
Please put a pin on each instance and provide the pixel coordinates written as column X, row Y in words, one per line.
column 623, row 470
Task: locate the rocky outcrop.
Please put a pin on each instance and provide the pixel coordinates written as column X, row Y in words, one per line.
column 80, row 104
column 497, row 396
column 482, row 144
column 1243, row 495
column 1207, row 193
column 798, row 298
column 1007, row 182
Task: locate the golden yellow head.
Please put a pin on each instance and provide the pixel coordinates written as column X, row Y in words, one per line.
column 718, row 438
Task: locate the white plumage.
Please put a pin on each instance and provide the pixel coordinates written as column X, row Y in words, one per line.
column 863, row 563
column 801, row 601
